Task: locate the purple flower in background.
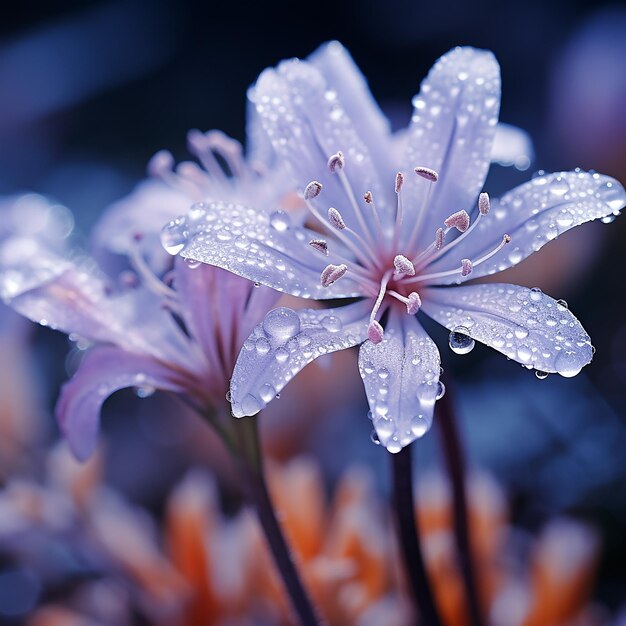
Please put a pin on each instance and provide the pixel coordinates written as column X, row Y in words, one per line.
column 177, row 331
column 398, row 235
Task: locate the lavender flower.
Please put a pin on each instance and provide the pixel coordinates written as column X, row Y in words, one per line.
column 396, row 241
column 148, row 330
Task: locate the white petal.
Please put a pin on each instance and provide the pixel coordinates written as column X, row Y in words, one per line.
column 452, row 130
column 533, row 214
column 344, row 77
column 512, row 146
column 307, row 123
column 401, row 378
column 524, row 324
column 284, row 343
column 262, row 247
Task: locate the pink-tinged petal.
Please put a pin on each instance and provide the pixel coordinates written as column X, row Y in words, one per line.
column 284, row 343
column 452, row 130
column 150, row 205
column 307, row 122
column 401, row 378
column 72, row 296
column 104, row 371
column 265, row 248
column 534, row 214
column 524, row 324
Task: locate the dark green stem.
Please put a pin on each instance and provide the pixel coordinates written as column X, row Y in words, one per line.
column 404, row 509
column 258, row 495
column 455, row 462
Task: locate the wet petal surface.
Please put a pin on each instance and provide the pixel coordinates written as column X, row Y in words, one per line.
column 401, row 378
column 524, row 324
column 284, row 343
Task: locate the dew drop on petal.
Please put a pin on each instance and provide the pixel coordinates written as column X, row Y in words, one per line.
column 441, row 391
column 460, row 341
column 394, row 446
column 541, row 375
column 281, row 324
column 250, row 405
column 145, row 391
column 332, row 323
column 280, row 221
column 173, row 237
column 267, row 392
column 374, row 438
column 567, row 364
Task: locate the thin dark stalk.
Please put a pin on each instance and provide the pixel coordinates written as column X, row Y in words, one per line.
column 259, row 497
column 404, row 509
column 456, row 464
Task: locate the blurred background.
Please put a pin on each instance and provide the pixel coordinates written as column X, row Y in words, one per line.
column 90, row 91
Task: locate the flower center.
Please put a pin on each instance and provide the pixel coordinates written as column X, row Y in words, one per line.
column 387, row 273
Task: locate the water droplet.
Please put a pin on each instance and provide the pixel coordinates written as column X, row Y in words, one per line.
column 267, row 392
column 144, row 391
column 332, row 323
column 536, row 294
column 521, row 332
column 565, row 218
column 250, row 405
column 612, row 195
column 192, row 264
column 559, row 186
column 607, row 219
column 196, row 212
column 460, row 341
column 173, row 237
column 562, row 303
column 541, row 375
column 567, row 364
column 394, row 446
column 281, row 324
column 281, row 355
column 280, row 221
column 229, row 396
column 441, row 391
column 262, row 345
column 419, row 426
column 383, row 373
column 374, row 438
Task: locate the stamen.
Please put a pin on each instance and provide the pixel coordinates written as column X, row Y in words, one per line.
column 336, row 162
column 465, row 264
column 440, row 237
column 459, row 220
column 427, row 173
column 399, row 181
column 161, row 165
column 380, row 297
column 432, row 177
column 413, row 301
column 332, row 273
column 483, row 203
column 320, row 245
column 375, row 332
column 403, row 266
column 369, row 199
column 335, row 218
column 146, row 274
column 312, row 190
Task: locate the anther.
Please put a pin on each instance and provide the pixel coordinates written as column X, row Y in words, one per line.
column 506, row 239
column 312, row 190
column 440, row 236
column 459, row 220
column 367, row 196
column 399, row 181
column 161, row 164
column 427, row 173
column 334, row 217
column 375, row 332
column 466, row 267
column 332, row 273
column 483, row 203
column 403, row 266
column 413, row 304
column 336, row 162
column 320, row 245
